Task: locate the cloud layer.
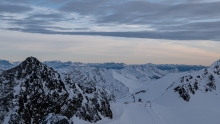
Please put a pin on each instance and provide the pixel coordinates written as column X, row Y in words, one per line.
column 106, row 49
column 159, row 19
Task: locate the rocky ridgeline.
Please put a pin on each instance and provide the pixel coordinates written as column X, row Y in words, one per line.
column 33, row 93
column 106, row 79
column 205, row 82
column 216, row 67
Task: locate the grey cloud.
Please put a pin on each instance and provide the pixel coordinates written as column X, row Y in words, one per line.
column 3, row 17
column 168, row 17
column 177, row 35
column 155, row 14
column 84, row 28
column 13, row 8
column 37, row 23
column 178, row 20
column 180, row 35
column 60, row 1
column 47, row 16
column 38, row 29
column 30, row 22
column 85, row 7
column 35, row 26
column 198, row 26
column 52, row 17
column 32, row 30
column 14, row 1
column 191, row 10
column 141, row 12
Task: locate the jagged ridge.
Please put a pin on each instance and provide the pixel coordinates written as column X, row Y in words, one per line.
column 31, row 91
column 204, row 82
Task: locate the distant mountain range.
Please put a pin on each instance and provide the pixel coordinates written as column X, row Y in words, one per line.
column 55, row 92
column 6, row 64
column 118, row 78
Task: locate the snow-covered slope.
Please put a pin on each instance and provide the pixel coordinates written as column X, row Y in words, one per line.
column 33, row 93
column 179, row 67
column 137, row 76
column 153, row 90
column 118, row 82
column 59, row 64
column 100, row 76
column 118, row 78
column 183, row 85
column 175, row 98
column 108, row 65
column 105, row 79
column 199, row 89
column 80, row 93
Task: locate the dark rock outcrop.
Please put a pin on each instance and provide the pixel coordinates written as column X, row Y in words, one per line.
column 30, row 92
column 205, row 82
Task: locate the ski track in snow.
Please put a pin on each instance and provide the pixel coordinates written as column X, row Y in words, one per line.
column 137, row 113
column 167, row 106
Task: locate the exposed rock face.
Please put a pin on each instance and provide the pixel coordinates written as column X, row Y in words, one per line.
column 105, row 78
column 203, row 82
column 93, row 99
column 31, row 92
column 118, row 82
column 216, row 67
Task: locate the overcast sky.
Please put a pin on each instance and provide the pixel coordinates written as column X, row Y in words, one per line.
column 129, row 31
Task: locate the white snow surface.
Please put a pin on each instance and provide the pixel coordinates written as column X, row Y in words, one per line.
column 118, row 82
column 167, row 107
column 138, row 113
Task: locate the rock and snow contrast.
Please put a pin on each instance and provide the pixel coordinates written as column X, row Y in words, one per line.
column 177, row 98
column 121, row 81
column 56, row 92
column 34, row 93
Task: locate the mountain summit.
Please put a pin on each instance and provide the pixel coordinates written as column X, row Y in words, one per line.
column 33, row 93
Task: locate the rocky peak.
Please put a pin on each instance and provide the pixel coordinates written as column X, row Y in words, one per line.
column 203, row 81
column 216, row 67
column 34, row 93
column 31, row 91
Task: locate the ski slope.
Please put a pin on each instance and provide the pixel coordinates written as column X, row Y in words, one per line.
column 137, row 113
column 167, row 106
column 154, row 89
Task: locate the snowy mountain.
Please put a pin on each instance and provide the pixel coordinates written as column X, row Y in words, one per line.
column 34, row 93
column 118, row 78
column 109, row 93
column 119, row 82
column 5, row 64
column 180, row 68
column 108, row 65
column 59, row 64
column 137, row 76
column 105, row 79
column 196, row 87
column 183, row 85
column 183, row 98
